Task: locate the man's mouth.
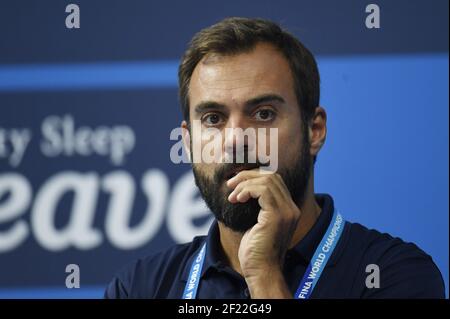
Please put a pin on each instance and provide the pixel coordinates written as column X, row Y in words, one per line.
column 233, row 172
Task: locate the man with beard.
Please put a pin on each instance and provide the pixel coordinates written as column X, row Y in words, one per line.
column 273, row 236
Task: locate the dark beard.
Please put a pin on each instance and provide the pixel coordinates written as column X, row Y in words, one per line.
column 240, row 217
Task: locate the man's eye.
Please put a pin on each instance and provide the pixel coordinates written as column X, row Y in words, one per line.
column 211, row 119
column 265, row 115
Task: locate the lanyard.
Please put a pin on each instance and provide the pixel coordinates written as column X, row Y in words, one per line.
column 312, row 273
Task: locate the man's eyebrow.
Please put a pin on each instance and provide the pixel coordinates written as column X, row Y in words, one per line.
column 205, row 106
column 264, row 99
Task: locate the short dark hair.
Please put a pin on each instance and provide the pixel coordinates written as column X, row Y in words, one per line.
column 235, row 35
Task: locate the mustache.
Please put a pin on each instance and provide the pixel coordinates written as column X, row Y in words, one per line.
column 227, row 170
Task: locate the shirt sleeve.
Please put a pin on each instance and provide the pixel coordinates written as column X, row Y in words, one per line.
column 406, row 272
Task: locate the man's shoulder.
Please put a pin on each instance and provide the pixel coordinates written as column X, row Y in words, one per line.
column 382, row 246
column 406, row 271
column 143, row 277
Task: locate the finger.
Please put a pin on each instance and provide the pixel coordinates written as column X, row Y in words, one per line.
column 266, row 199
column 254, row 191
column 271, row 179
column 238, row 189
column 246, row 174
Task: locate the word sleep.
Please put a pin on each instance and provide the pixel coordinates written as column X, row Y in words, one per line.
column 60, row 136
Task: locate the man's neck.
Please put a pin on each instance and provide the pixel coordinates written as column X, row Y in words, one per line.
column 230, row 240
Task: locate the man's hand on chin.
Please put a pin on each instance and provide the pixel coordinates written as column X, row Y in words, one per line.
column 263, row 247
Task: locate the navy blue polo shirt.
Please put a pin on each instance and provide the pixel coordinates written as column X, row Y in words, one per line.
column 405, row 270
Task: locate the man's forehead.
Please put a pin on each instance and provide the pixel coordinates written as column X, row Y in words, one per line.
column 261, row 69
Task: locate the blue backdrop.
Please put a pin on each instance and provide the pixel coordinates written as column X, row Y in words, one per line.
column 86, row 116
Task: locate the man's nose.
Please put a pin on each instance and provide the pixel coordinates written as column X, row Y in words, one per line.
column 239, row 137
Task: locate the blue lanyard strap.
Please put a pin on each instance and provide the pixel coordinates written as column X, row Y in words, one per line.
column 312, row 273
column 190, row 291
column 320, row 258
